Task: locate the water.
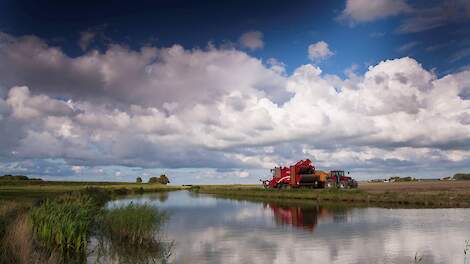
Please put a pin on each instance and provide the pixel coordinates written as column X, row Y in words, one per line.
column 205, row 229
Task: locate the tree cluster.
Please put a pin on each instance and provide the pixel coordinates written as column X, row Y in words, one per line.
column 163, row 179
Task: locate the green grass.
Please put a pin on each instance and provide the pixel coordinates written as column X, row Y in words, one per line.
column 316, row 194
column 433, row 199
column 136, row 224
column 64, row 224
column 29, row 191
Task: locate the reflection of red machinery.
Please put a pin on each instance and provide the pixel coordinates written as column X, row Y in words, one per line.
column 297, row 216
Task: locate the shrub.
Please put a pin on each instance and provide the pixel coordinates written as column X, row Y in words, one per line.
column 462, row 176
column 121, row 191
column 138, row 180
column 98, row 196
column 153, row 180
column 139, row 190
column 163, row 179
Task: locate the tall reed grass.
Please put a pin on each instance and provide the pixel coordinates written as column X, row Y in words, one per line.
column 136, row 224
column 63, row 224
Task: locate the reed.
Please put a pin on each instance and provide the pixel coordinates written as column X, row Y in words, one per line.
column 136, row 224
column 63, row 224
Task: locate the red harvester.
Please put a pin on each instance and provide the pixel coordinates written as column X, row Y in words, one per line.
column 303, row 173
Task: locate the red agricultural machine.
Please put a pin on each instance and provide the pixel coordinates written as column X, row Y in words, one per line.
column 303, row 174
column 339, row 179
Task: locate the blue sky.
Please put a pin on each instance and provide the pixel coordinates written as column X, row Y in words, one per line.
column 125, row 81
column 288, row 28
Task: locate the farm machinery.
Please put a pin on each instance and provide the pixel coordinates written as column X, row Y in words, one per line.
column 304, row 174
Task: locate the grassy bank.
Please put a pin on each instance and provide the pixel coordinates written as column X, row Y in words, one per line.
column 386, row 196
column 30, row 191
column 51, row 222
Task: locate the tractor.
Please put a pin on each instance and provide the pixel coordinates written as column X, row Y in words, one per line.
column 339, row 179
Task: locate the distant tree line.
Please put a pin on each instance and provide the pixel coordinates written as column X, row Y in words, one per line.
column 462, row 176
column 9, row 177
column 163, row 179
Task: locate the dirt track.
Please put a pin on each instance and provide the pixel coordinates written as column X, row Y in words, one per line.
column 421, row 186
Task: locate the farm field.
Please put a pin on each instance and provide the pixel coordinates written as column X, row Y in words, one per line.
column 429, row 193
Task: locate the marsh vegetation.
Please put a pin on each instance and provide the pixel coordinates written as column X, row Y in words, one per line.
column 132, row 234
column 135, row 224
column 55, row 224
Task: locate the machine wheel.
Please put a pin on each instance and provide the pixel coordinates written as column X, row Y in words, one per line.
column 354, row 184
column 265, row 184
column 315, row 184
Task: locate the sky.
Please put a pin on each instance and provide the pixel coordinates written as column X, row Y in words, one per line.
column 222, row 91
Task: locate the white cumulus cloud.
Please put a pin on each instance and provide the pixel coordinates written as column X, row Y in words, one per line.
column 177, row 108
column 358, row 11
column 318, row 51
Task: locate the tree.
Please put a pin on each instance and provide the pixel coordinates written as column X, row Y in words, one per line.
column 153, row 180
column 138, row 180
column 163, row 179
column 462, row 176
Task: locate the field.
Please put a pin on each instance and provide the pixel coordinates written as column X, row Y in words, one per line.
column 429, row 193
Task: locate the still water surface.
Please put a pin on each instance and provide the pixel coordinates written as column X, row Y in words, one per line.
column 204, row 229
